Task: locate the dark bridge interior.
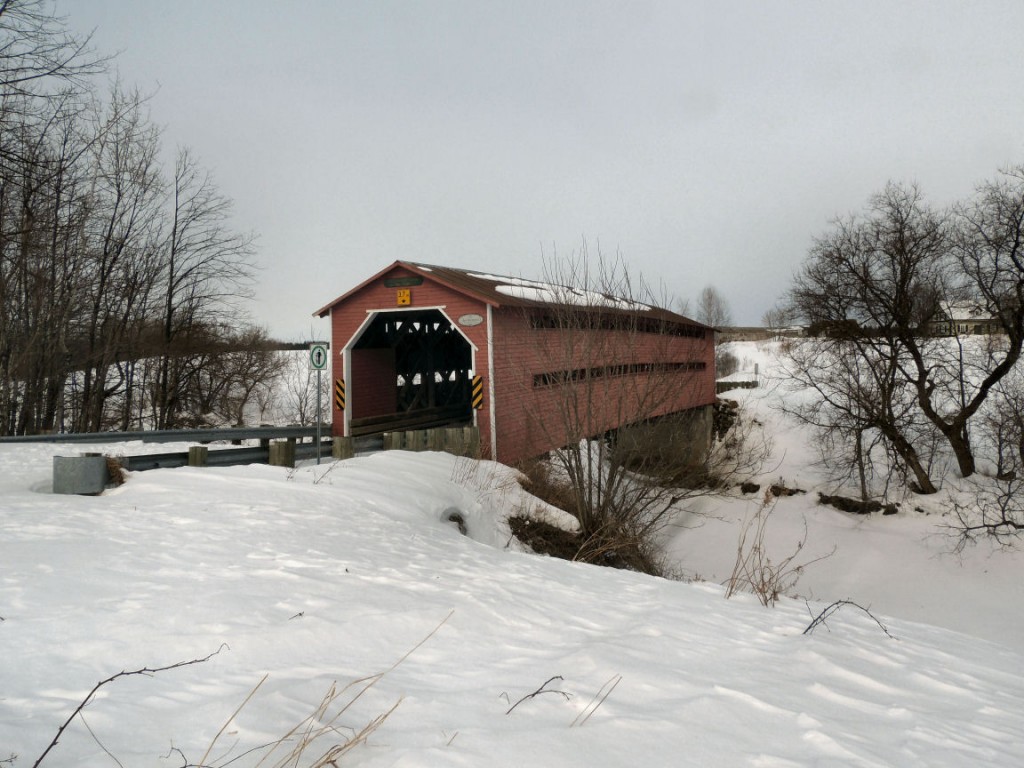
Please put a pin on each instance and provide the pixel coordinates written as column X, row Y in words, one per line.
column 429, row 372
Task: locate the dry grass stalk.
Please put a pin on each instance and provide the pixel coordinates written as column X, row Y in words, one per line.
column 595, row 703
column 323, row 724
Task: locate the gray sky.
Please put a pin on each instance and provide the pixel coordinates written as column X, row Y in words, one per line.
column 706, row 142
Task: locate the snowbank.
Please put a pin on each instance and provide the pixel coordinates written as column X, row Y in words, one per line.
column 334, row 573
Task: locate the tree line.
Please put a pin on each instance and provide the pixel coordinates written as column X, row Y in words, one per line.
column 120, row 278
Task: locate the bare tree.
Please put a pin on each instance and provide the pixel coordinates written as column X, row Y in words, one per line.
column 865, row 411
column 988, row 244
column 297, row 400
column 40, row 207
column 886, row 281
column 119, row 263
column 780, row 318
column 205, row 267
column 37, row 52
column 617, row 375
column 871, row 286
column 713, row 309
column 42, row 72
column 996, row 505
column 103, row 263
column 240, row 370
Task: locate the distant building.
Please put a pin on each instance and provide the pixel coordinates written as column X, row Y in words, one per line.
column 964, row 319
column 418, row 345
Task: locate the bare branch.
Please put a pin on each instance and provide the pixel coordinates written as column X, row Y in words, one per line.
column 147, row 671
column 542, row 689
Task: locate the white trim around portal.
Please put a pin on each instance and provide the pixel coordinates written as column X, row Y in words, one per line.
column 346, row 351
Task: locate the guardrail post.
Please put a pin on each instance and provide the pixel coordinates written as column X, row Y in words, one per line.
column 282, row 453
column 197, row 455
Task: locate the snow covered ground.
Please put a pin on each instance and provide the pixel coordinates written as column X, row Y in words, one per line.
column 902, row 565
column 331, row 574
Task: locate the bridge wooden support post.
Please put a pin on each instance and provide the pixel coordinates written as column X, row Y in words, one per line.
column 471, row 442
column 462, row 441
column 343, row 448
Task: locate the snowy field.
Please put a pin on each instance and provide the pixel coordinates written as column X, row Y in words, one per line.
column 350, row 573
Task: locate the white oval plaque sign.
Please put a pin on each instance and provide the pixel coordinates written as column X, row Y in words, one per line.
column 470, row 320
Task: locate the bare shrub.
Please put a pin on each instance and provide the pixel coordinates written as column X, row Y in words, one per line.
column 620, row 543
column 726, row 363
column 739, row 449
column 755, row 571
column 538, row 478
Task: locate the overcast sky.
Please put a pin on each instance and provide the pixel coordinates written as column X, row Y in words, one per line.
column 705, row 142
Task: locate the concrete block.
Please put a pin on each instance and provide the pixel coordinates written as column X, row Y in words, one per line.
column 84, row 475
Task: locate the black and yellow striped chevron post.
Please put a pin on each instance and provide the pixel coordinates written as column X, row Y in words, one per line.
column 339, row 394
column 478, row 393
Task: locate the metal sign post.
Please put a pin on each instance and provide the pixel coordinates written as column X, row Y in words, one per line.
column 318, row 357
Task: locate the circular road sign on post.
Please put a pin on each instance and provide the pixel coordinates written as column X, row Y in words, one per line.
column 318, row 359
column 318, row 356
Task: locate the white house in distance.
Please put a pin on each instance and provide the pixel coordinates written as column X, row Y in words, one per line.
column 964, row 318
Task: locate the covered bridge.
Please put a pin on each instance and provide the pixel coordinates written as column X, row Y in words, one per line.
column 535, row 366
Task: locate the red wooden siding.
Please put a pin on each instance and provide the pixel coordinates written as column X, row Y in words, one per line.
column 530, row 418
column 366, row 395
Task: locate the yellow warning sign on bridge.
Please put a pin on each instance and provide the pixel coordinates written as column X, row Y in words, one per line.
column 339, row 394
column 478, row 392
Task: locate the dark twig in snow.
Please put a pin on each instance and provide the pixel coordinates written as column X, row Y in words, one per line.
column 539, row 691
column 85, row 702
column 822, row 617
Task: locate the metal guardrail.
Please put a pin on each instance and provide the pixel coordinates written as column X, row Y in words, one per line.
column 172, row 435
column 78, row 475
column 227, row 457
column 231, row 457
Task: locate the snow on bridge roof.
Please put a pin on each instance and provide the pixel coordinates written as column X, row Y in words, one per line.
column 506, row 291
